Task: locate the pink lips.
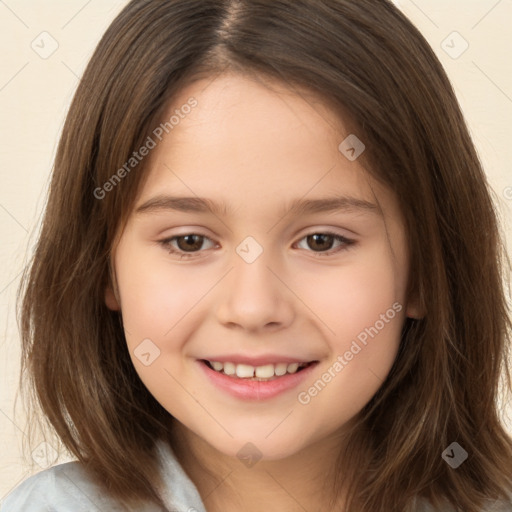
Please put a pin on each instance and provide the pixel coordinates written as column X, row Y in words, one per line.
column 252, row 389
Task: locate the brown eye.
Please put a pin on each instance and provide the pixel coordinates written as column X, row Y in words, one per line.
column 321, row 243
column 189, row 242
column 185, row 245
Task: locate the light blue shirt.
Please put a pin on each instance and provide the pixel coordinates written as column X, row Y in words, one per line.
column 69, row 488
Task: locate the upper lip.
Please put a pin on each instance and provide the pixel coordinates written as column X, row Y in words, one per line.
column 257, row 361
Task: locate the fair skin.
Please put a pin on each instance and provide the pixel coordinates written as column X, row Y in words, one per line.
column 258, row 149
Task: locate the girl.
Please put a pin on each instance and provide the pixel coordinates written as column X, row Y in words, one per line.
column 187, row 335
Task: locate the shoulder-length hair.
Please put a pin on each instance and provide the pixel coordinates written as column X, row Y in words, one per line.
column 368, row 61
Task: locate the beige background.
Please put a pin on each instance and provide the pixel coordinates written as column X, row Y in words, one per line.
column 35, row 93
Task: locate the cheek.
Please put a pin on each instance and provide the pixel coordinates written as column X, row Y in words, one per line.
column 160, row 303
column 361, row 308
column 154, row 303
column 154, row 296
column 352, row 296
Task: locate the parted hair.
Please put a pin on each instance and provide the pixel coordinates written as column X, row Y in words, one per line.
column 451, row 377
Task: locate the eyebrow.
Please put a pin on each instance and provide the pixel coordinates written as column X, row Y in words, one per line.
column 297, row 207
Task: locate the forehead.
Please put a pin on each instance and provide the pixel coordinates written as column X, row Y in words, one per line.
column 255, row 113
column 256, row 146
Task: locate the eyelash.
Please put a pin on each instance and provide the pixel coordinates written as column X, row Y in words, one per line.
column 185, row 255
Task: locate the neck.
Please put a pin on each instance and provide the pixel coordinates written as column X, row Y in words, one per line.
column 302, row 481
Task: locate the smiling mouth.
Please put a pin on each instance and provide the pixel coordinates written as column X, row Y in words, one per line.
column 266, row 372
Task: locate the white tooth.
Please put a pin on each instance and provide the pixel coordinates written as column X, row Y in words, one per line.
column 280, row 369
column 244, row 371
column 229, row 368
column 265, row 372
column 292, row 368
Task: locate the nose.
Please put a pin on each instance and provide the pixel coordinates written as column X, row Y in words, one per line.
column 255, row 297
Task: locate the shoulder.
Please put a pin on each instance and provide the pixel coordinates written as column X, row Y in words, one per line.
column 63, row 488
column 490, row 506
column 69, row 487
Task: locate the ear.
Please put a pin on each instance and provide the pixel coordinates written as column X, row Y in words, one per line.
column 415, row 310
column 111, row 299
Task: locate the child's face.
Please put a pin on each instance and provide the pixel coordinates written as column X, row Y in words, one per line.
column 259, row 287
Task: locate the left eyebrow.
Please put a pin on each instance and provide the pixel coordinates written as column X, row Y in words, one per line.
column 297, row 207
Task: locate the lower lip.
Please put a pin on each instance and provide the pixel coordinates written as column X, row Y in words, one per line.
column 253, row 389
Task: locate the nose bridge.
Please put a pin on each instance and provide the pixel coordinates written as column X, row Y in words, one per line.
column 254, row 296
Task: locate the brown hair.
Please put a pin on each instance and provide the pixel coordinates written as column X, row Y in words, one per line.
column 366, row 59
